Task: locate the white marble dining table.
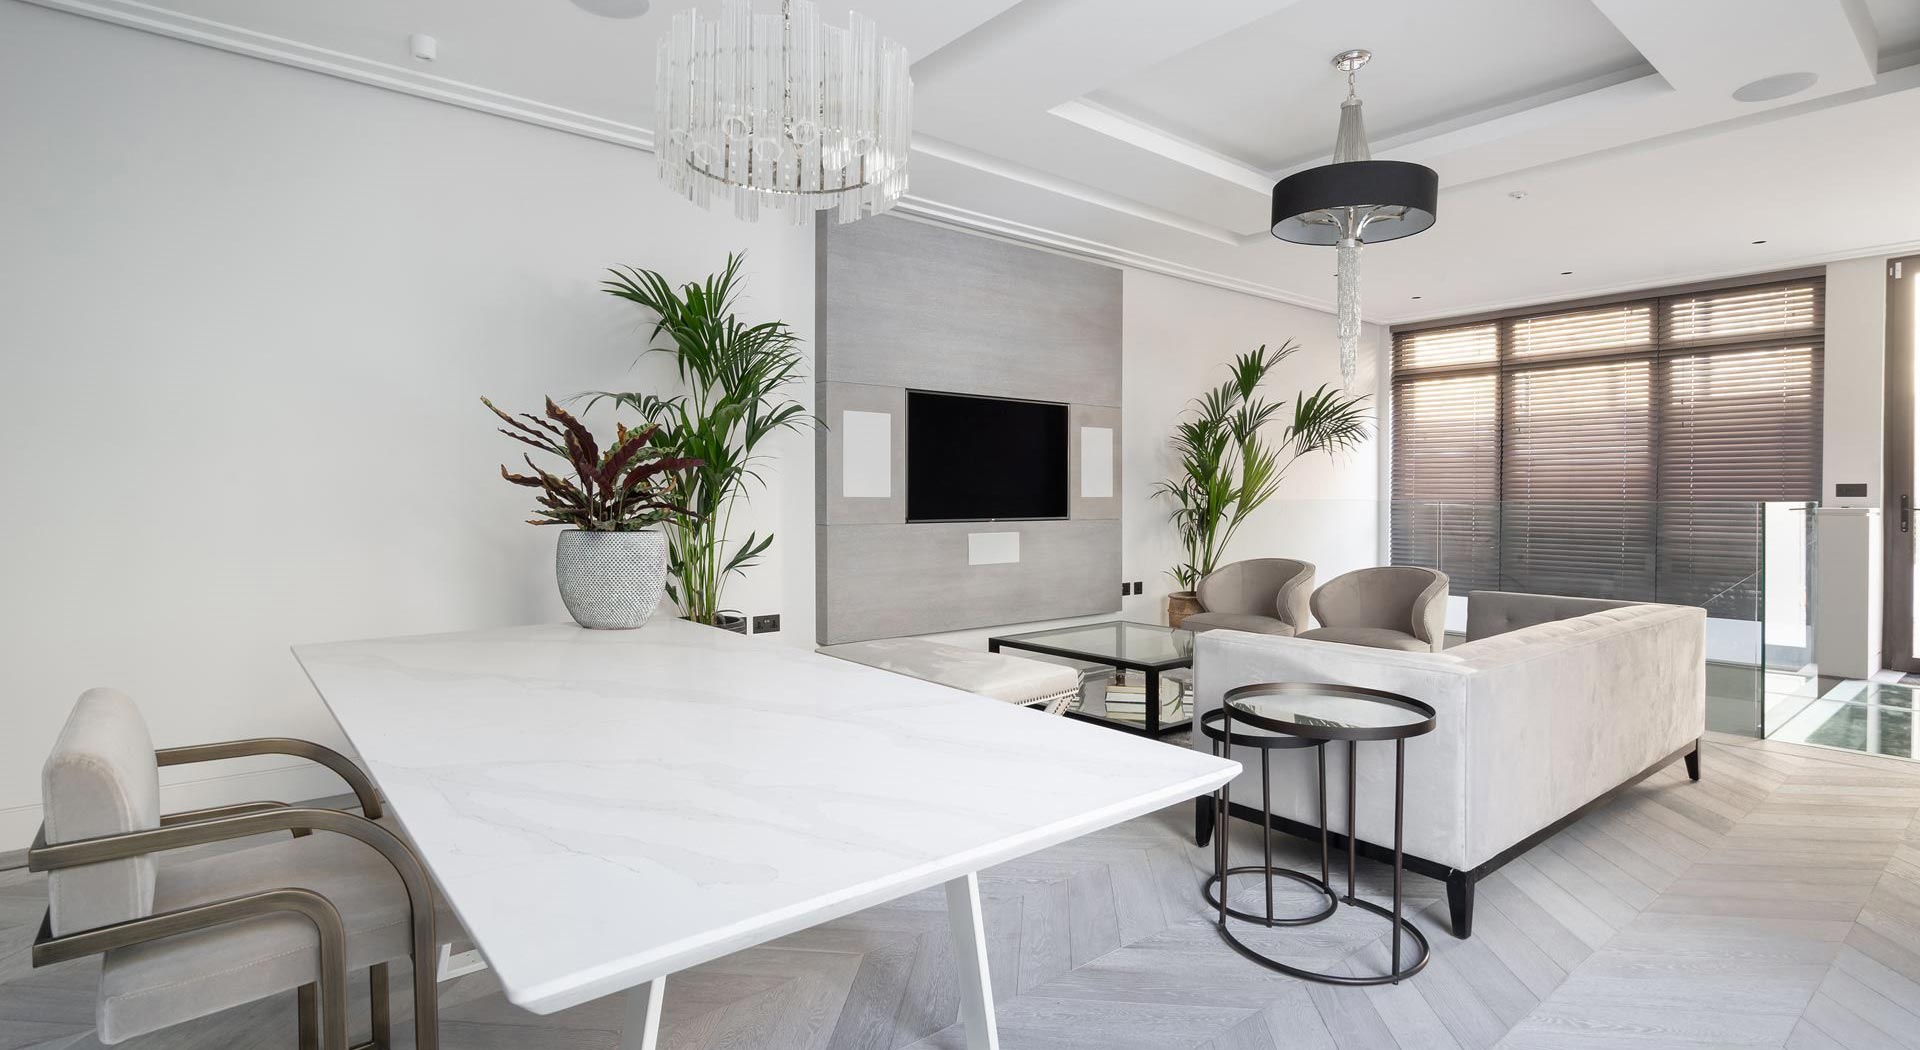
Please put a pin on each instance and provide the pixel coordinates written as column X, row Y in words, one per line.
column 602, row 809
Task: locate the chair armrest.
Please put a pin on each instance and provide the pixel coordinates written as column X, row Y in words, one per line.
column 194, row 816
column 48, row 949
column 44, row 857
column 274, row 745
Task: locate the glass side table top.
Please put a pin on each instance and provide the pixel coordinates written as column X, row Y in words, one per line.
column 1146, row 645
column 1329, row 712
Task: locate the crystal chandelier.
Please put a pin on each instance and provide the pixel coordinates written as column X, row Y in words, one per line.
column 782, row 112
column 1350, row 202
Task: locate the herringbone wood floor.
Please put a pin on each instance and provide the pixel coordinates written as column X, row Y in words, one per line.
column 1774, row 904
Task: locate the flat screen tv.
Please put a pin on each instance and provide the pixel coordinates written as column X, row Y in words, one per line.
column 984, row 458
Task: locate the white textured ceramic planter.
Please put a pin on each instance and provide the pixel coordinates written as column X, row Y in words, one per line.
column 611, row 580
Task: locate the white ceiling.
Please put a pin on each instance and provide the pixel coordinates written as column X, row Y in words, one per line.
column 1150, row 133
column 1264, row 93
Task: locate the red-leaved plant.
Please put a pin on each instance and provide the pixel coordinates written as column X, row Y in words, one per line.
column 624, row 489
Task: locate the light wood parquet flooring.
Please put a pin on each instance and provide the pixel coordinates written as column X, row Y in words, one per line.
column 1774, row 904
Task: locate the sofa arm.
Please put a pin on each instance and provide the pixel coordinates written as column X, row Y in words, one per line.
column 1436, row 827
column 1567, row 711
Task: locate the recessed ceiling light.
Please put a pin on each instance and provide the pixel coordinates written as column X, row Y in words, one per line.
column 614, row 8
column 1766, row 89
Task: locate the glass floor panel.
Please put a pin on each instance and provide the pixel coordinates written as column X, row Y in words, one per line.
column 1874, row 718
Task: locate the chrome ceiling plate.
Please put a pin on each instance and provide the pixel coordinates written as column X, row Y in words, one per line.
column 1348, row 61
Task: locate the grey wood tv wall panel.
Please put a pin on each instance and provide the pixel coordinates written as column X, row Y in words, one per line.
column 905, row 305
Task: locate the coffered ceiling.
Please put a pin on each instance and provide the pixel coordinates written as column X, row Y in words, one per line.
column 1583, row 146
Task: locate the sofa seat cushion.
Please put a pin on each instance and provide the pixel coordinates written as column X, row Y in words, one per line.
column 1372, row 637
column 162, row 983
column 994, row 675
column 1219, row 621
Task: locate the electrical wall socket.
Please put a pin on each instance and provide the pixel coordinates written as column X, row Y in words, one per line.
column 766, row 624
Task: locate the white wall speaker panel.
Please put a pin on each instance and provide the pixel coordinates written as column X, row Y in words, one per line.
column 1096, row 462
column 993, row 548
column 866, row 450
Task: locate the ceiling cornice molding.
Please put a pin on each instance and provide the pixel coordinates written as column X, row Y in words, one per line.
column 225, row 36
column 1067, row 244
column 1040, row 180
column 1141, row 135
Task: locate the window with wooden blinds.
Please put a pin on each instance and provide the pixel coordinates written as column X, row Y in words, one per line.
column 1446, row 482
column 1744, row 314
column 1610, row 451
column 1577, row 480
column 1447, row 347
column 1610, row 329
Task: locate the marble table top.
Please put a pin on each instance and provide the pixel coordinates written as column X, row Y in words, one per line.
column 606, row 807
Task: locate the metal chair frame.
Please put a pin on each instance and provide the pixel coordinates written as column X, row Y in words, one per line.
column 322, row 1005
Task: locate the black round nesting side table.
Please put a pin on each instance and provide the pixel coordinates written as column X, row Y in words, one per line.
column 1294, row 715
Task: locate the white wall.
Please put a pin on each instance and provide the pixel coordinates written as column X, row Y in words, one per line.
column 1854, row 436
column 249, row 312
column 1849, row 583
column 1177, row 339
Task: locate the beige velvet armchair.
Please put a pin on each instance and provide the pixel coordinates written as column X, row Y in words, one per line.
column 1262, row 595
column 1388, row 607
column 184, row 938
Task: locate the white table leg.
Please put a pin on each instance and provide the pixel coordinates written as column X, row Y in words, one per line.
column 970, row 952
column 642, row 1031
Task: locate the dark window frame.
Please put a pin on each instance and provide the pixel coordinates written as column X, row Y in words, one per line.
column 1420, row 520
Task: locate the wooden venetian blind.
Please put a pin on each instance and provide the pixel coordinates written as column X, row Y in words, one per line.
column 1739, row 423
column 1446, row 483
column 1614, row 451
column 1576, row 477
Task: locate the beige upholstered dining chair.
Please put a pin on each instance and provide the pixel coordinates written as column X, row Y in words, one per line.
column 1388, row 607
column 1262, row 595
column 187, row 937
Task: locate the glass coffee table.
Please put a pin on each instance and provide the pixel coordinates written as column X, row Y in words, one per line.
column 1148, row 648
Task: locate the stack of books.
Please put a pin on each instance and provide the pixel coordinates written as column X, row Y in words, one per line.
column 1127, row 700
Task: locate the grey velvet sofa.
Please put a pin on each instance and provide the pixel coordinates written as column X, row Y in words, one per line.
column 1548, row 708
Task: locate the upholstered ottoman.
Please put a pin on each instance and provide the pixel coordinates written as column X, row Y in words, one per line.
column 1028, row 683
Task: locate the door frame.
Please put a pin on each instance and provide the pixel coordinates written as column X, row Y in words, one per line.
column 1898, row 514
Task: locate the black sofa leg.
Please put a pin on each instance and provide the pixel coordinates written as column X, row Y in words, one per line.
column 1460, row 903
column 1693, row 762
column 1203, row 820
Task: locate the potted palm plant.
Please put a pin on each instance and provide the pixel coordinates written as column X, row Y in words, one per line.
column 1229, row 466
column 612, row 562
column 738, row 378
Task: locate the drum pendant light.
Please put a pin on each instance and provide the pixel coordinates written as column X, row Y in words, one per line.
column 1353, row 201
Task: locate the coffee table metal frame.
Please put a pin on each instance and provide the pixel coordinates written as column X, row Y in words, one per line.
column 1217, row 725
column 1035, row 642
